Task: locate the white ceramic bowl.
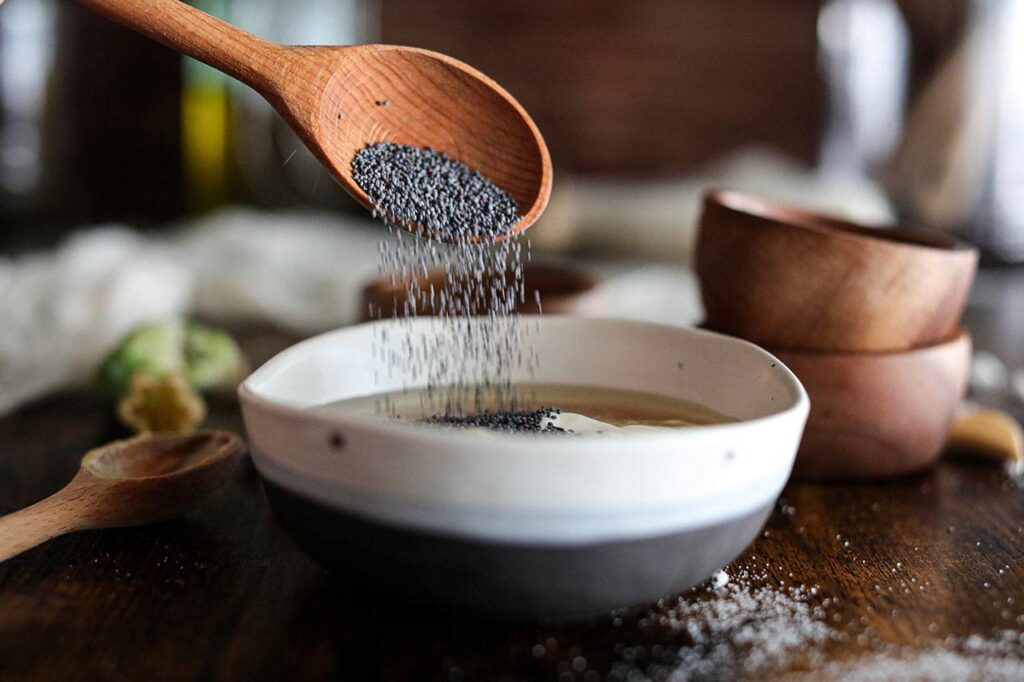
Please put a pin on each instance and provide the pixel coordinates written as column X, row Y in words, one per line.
column 528, row 525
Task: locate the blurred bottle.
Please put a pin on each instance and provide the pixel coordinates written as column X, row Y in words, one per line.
column 235, row 143
column 27, row 42
column 864, row 49
column 960, row 164
column 100, row 124
column 89, row 129
column 205, row 127
column 929, row 97
column 997, row 224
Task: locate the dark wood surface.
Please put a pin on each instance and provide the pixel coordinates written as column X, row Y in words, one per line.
column 224, row 594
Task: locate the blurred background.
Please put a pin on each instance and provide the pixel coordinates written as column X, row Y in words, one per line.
column 881, row 108
column 126, row 169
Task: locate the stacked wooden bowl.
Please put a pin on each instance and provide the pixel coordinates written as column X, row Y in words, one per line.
column 868, row 319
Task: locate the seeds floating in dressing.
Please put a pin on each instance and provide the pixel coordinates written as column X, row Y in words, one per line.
column 581, row 410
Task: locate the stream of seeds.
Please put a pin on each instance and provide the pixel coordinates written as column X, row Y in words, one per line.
column 468, row 222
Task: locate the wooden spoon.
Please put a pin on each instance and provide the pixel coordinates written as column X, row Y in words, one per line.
column 339, row 99
column 126, row 483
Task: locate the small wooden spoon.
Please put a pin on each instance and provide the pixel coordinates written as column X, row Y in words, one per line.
column 126, row 483
column 339, row 99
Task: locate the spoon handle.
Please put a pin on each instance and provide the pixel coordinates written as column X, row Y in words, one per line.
column 56, row 515
column 197, row 34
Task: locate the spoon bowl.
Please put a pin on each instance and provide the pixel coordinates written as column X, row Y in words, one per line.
column 145, row 479
column 147, row 457
column 386, row 93
column 338, row 100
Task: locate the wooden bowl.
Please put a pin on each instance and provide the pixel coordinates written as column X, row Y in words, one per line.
column 875, row 415
column 563, row 290
column 783, row 277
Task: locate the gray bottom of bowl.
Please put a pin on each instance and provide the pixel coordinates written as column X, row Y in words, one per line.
column 510, row 580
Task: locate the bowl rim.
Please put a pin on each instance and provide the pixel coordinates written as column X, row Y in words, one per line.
column 248, row 393
column 785, row 214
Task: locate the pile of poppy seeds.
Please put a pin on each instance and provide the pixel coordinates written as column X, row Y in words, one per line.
column 444, row 216
column 529, row 421
column 426, row 191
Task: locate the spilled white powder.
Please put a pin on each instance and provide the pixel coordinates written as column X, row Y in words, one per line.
column 736, row 626
column 972, row 659
column 740, row 631
column 741, row 626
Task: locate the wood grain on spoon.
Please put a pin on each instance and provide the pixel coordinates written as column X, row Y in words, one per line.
column 126, row 483
column 339, row 99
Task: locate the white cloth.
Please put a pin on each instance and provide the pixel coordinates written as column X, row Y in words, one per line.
column 63, row 310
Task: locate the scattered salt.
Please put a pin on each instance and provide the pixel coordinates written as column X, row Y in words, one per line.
column 973, row 659
column 738, row 625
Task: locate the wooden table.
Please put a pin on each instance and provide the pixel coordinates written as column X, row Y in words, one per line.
column 225, row 595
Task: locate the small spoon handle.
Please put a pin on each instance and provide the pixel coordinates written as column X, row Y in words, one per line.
column 186, row 29
column 58, row 514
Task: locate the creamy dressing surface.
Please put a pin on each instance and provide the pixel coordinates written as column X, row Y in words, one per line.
column 585, row 409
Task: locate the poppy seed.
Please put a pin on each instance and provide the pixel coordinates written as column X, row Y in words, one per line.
column 428, row 192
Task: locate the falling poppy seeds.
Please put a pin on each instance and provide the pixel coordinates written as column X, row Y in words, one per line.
column 462, row 224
